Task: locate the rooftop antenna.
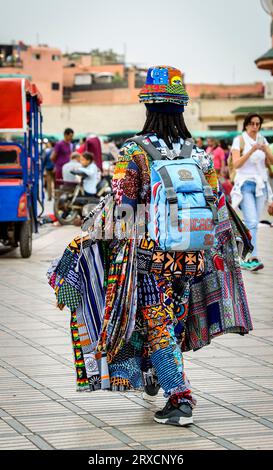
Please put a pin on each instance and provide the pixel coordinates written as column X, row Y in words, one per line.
column 124, row 52
column 268, row 8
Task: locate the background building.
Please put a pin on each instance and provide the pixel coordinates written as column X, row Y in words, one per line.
column 43, row 64
column 97, row 92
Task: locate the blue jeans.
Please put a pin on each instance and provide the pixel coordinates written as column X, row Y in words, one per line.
column 252, row 208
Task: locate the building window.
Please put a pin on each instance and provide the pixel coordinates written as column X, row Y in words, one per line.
column 56, row 57
column 36, row 56
column 55, row 86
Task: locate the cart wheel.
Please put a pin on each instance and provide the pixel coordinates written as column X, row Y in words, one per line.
column 25, row 239
column 65, row 217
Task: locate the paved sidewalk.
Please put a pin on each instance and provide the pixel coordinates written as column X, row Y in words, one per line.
column 40, row 409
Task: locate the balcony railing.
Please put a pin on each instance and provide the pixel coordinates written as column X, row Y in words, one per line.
column 15, row 64
column 97, row 86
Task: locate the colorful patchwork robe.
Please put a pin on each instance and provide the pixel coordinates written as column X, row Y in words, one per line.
column 97, row 281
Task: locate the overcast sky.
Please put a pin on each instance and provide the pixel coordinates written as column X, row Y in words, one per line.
column 212, row 41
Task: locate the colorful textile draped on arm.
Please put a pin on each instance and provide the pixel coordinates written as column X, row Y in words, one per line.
column 125, row 182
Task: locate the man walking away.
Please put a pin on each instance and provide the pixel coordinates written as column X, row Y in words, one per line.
column 62, row 152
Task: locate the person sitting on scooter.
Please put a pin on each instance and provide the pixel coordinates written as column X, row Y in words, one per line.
column 90, row 172
column 73, row 164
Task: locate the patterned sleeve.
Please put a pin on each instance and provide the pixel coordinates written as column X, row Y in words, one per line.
column 131, row 180
column 125, row 182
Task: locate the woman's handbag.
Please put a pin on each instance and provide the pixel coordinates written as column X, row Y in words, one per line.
column 243, row 231
column 270, row 209
column 269, row 168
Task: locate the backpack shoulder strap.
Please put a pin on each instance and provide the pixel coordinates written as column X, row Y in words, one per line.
column 187, row 148
column 242, row 144
column 147, row 146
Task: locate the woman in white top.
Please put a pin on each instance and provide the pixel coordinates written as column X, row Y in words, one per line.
column 250, row 153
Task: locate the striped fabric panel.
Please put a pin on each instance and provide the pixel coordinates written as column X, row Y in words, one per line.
column 93, row 300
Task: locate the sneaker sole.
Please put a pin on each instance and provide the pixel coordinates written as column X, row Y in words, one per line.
column 175, row 421
column 257, row 268
column 147, row 397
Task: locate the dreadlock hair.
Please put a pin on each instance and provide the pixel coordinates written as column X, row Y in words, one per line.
column 169, row 127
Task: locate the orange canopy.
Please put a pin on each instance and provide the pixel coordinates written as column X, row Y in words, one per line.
column 13, row 111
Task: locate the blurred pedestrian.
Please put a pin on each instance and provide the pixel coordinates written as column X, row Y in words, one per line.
column 93, row 145
column 48, row 167
column 250, row 153
column 109, row 146
column 226, row 148
column 62, row 151
column 217, row 153
column 82, row 146
column 90, row 173
column 73, row 165
column 200, row 143
column 226, row 183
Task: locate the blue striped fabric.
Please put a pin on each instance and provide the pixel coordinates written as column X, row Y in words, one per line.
column 168, row 373
column 93, row 299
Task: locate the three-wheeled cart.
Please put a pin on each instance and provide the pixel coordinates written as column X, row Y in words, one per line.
column 21, row 179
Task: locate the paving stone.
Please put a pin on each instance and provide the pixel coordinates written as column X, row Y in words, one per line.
column 146, row 433
column 53, row 424
column 18, row 353
column 56, row 381
column 263, row 442
column 260, row 408
column 30, row 408
column 258, row 351
column 234, row 340
column 117, row 419
column 244, row 397
column 212, row 413
column 210, row 352
column 5, row 428
column 247, row 372
column 267, row 358
column 266, row 382
column 220, row 385
column 16, row 443
column 236, row 426
column 106, row 406
column 40, row 442
column 89, row 439
column 228, row 362
column 37, row 371
column 197, row 444
column 36, row 361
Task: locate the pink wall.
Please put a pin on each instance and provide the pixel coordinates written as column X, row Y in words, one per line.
column 43, row 72
column 224, row 91
column 111, row 96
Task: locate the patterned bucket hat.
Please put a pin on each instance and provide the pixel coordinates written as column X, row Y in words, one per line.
column 164, row 84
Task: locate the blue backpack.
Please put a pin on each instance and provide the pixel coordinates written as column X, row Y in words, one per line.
column 182, row 215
